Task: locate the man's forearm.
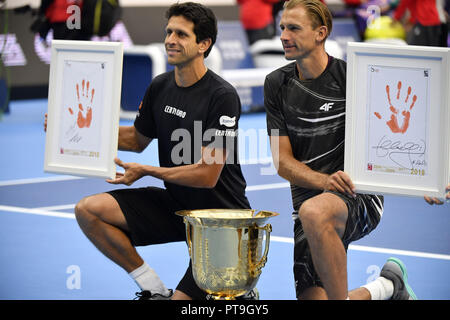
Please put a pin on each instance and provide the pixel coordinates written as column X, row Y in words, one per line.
column 192, row 175
column 301, row 175
column 129, row 140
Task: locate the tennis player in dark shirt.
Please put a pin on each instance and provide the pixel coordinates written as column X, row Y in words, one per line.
column 193, row 113
column 305, row 104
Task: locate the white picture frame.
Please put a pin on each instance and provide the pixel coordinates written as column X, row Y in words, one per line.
column 398, row 119
column 83, row 108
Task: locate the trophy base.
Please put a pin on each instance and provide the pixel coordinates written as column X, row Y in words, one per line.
column 214, row 297
column 227, row 295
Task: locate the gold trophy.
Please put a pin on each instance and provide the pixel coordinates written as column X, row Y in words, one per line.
column 225, row 246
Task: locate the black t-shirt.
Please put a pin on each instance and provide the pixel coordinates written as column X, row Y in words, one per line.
column 312, row 114
column 185, row 119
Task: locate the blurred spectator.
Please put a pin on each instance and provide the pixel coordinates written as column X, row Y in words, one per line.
column 53, row 15
column 257, row 18
column 384, row 29
column 406, row 15
column 366, row 11
column 430, row 21
column 76, row 19
column 355, row 3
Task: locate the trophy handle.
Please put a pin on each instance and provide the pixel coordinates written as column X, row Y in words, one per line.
column 188, row 235
column 262, row 262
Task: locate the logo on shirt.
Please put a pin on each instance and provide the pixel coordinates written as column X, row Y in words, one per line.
column 326, row 106
column 175, row 111
column 227, row 121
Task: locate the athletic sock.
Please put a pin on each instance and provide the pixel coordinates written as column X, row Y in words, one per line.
column 380, row 289
column 147, row 279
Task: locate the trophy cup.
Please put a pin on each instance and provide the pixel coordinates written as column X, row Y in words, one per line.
column 225, row 246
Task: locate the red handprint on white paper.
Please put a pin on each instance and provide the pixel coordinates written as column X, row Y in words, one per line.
column 84, row 117
column 406, row 113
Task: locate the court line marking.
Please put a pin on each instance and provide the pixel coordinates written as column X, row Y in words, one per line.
column 56, row 208
column 38, row 180
column 278, row 185
column 400, row 252
column 37, row 211
column 378, row 250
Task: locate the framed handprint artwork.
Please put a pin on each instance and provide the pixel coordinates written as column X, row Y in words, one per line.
column 83, row 108
column 397, row 130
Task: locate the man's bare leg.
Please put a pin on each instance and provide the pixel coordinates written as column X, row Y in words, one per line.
column 359, row 294
column 318, row 293
column 104, row 224
column 102, row 221
column 323, row 219
column 178, row 295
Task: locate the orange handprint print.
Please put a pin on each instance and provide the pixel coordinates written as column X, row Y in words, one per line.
column 84, row 105
column 393, row 122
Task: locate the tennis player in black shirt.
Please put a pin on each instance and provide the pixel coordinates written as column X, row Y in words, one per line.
column 194, row 115
column 305, row 104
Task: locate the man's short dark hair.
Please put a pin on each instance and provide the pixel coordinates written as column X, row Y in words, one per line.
column 205, row 22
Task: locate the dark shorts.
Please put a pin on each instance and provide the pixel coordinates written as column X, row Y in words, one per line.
column 267, row 32
column 363, row 216
column 421, row 35
column 151, row 219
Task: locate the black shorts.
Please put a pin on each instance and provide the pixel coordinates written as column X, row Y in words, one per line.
column 151, row 219
column 421, row 35
column 364, row 214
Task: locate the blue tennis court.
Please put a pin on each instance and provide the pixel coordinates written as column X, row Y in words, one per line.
column 44, row 254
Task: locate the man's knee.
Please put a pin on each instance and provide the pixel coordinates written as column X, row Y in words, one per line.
column 100, row 207
column 83, row 211
column 318, row 218
column 311, row 215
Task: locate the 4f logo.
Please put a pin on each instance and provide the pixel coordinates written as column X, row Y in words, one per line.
column 326, row 106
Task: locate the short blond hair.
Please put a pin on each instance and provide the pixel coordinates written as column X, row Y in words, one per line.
column 317, row 11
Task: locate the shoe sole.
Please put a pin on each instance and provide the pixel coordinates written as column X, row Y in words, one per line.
column 404, row 276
